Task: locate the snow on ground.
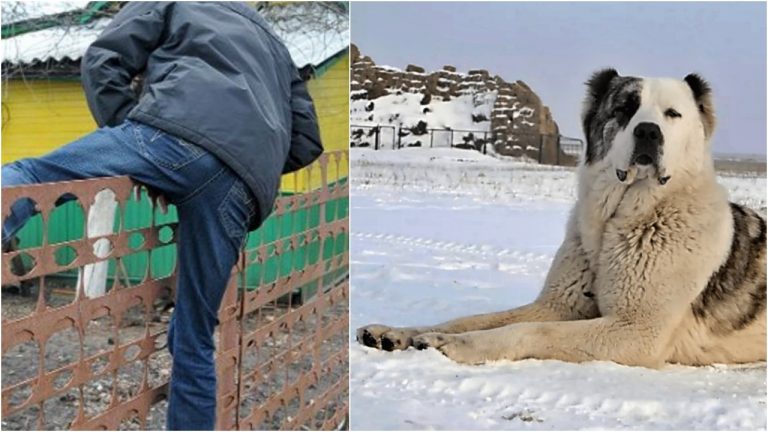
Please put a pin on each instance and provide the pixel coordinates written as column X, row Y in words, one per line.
column 444, row 233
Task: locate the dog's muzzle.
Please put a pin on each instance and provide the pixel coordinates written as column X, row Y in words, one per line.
column 648, row 144
column 649, row 147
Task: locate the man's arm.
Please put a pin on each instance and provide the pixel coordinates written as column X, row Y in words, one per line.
column 305, row 134
column 117, row 56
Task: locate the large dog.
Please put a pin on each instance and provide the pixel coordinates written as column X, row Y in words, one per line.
column 656, row 266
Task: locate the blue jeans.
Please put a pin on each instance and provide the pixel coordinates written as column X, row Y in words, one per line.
column 214, row 208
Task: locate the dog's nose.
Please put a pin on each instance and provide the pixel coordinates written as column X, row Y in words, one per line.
column 648, row 139
column 649, row 132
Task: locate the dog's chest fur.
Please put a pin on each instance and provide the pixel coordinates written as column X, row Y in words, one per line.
column 636, row 234
column 725, row 243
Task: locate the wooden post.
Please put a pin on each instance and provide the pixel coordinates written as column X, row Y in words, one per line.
column 541, row 147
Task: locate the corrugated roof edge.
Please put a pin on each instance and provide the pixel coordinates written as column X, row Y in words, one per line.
column 323, row 67
column 90, row 12
column 70, row 67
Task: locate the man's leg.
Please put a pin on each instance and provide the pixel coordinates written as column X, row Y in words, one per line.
column 212, row 227
column 149, row 156
column 24, row 172
column 213, row 210
column 98, row 154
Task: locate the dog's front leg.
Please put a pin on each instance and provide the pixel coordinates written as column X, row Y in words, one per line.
column 605, row 338
column 397, row 338
column 567, row 295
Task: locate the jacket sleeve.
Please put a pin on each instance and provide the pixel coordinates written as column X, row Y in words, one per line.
column 117, row 56
column 305, row 133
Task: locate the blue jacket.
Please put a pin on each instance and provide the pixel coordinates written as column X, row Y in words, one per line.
column 216, row 75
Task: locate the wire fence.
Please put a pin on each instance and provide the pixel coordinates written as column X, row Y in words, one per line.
column 72, row 359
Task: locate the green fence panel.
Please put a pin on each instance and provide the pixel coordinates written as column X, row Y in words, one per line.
column 67, row 223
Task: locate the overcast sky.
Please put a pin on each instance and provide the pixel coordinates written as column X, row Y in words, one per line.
column 554, row 47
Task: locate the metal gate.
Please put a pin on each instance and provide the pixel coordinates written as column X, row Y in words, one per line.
column 571, row 146
column 466, row 139
column 74, row 362
column 375, row 137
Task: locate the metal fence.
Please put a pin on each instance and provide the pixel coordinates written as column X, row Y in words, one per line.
column 72, row 360
column 389, row 137
column 550, row 149
column 376, row 137
column 466, row 139
column 571, row 146
column 563, row 151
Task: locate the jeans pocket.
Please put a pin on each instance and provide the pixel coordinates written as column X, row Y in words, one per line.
column 236, row 211
column 165, row 149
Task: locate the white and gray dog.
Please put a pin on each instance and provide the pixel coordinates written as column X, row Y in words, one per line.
column 656, row 266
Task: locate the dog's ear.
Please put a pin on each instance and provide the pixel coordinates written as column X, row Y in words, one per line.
column 597, row 88
column 702, row 94
column 699, row 87
column 599, row 83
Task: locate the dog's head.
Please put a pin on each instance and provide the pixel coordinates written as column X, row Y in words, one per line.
column 648, row 128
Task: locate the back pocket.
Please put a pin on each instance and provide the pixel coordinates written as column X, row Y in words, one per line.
column 236, row 211
column 164, row 149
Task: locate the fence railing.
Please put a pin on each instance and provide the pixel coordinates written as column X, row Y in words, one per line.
column 571, row 146
column 466, row 139
column 376, row 137
column 550, row 149
column 72, row 360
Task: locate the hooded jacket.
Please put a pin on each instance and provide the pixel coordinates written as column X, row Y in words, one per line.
column 214, row 74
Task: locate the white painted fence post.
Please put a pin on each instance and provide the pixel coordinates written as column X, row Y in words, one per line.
column 101, row 218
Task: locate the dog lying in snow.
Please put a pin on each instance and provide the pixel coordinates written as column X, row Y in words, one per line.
column 656, row 266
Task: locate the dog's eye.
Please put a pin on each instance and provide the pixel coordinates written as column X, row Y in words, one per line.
column 672, row 113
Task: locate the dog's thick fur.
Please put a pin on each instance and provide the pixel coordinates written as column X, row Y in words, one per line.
column 656, row 266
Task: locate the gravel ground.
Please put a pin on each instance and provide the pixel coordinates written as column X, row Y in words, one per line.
column 22, row 362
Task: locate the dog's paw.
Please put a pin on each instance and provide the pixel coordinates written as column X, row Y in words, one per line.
column 431, row 340
column 456, row 347
column 397, row 339
column 370, row 335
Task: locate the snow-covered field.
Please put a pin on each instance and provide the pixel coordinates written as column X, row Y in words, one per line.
column 441, row 233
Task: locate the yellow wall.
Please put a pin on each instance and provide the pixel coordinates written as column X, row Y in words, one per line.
column 330, row 92
column 39, row 116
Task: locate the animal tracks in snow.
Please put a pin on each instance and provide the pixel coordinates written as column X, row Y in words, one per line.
column 449, row 255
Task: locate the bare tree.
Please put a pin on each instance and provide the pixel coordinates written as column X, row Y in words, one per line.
column 308, row 27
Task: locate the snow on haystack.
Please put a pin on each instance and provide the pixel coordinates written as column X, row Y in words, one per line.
column 407, row 113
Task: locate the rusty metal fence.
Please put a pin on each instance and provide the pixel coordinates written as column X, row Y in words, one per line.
column 77, row 361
